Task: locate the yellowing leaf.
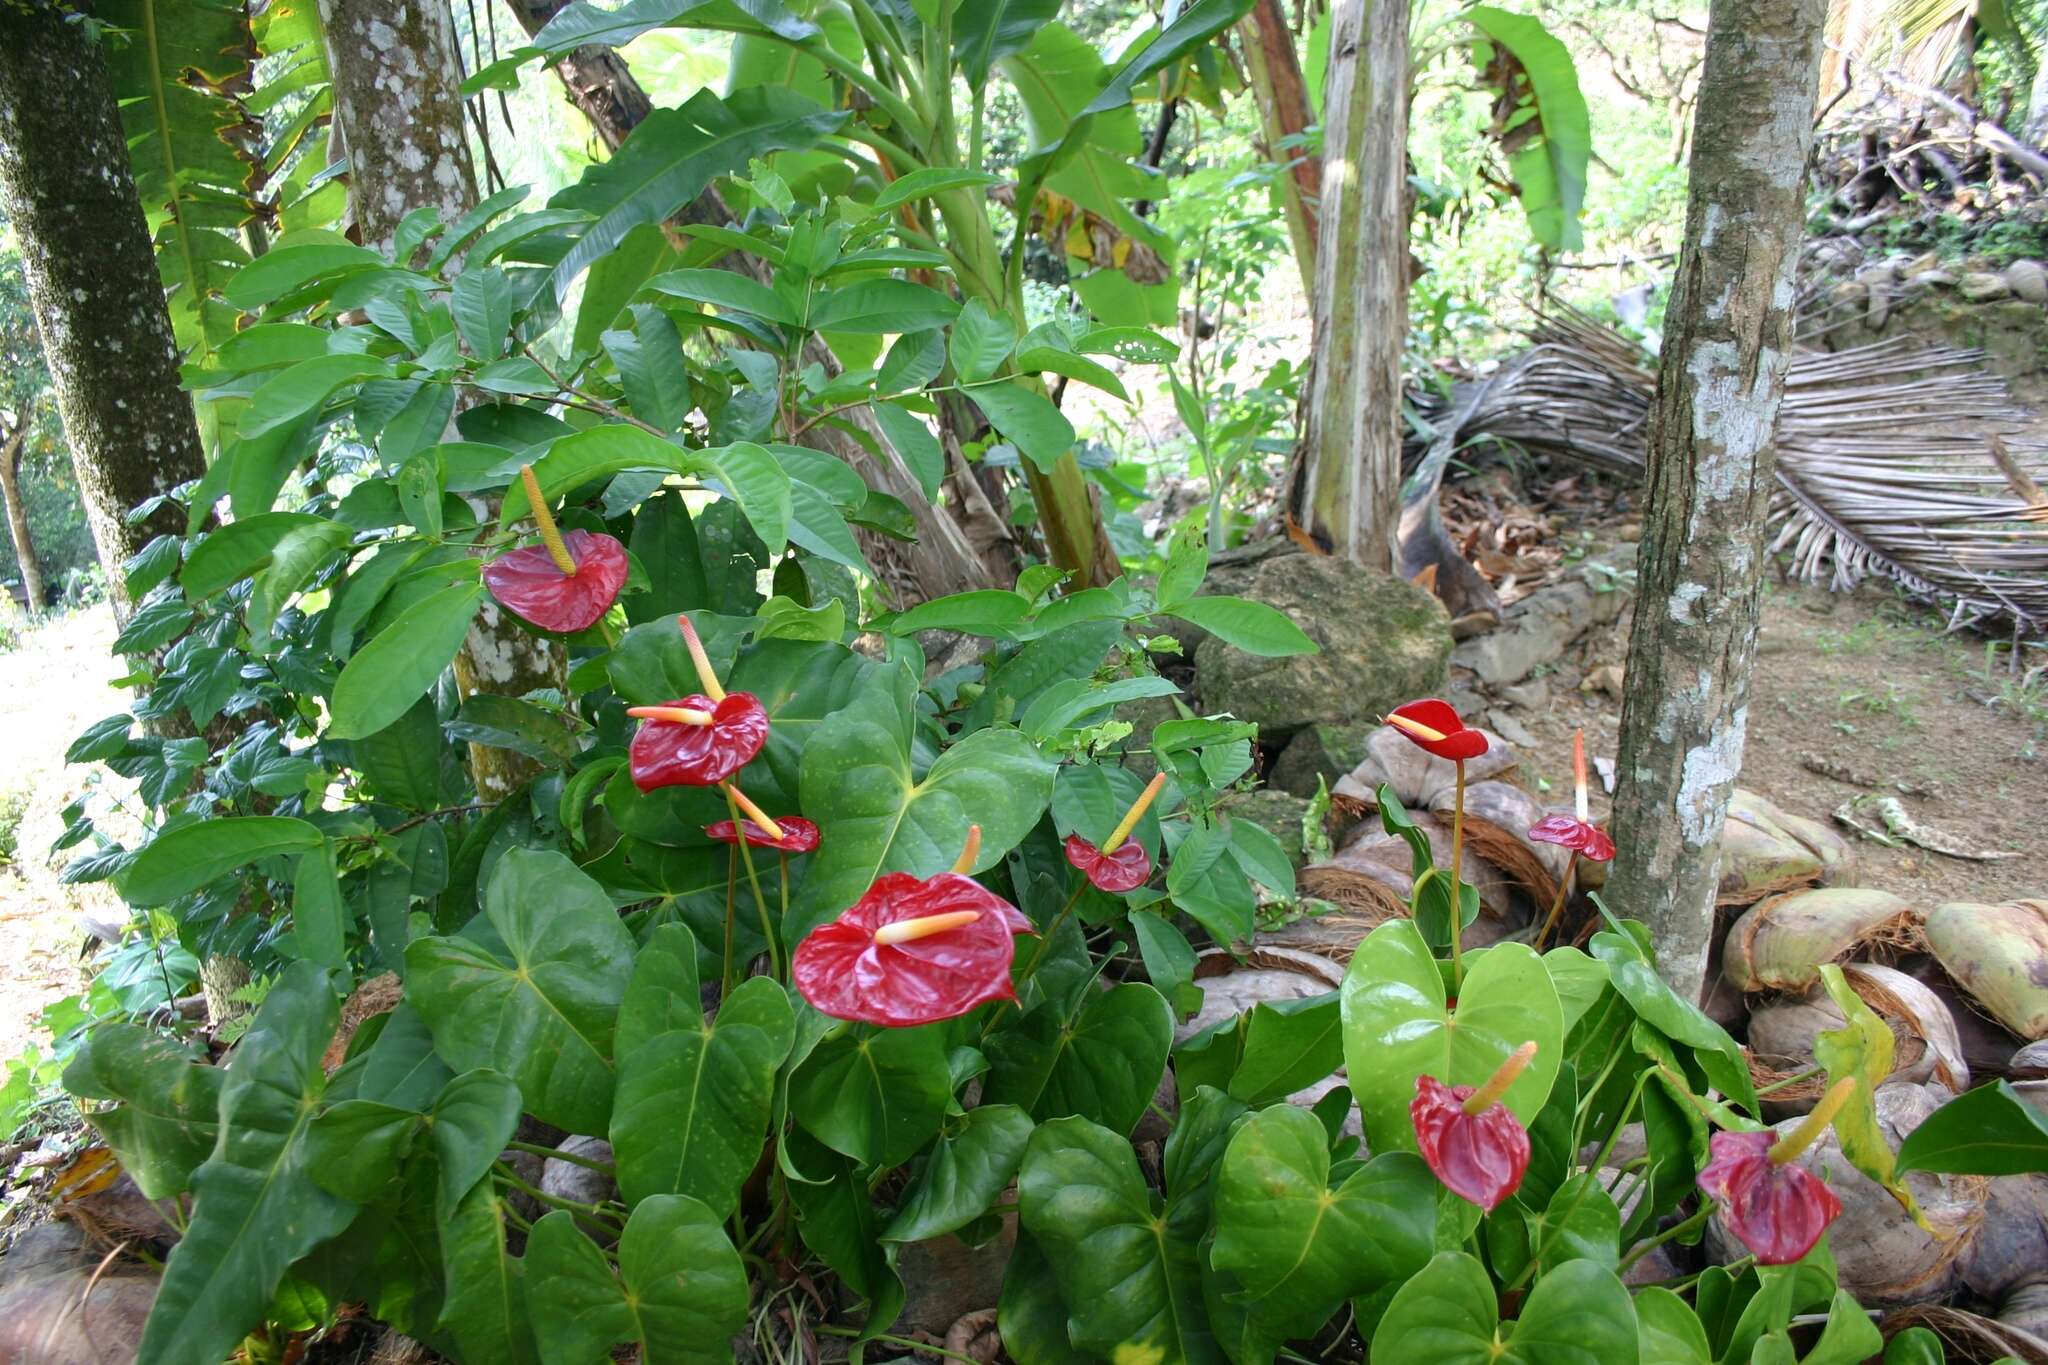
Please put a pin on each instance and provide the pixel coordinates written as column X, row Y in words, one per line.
column 1862, row 1048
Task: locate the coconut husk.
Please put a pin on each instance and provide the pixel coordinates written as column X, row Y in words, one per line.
column 2011, row 1244
column 1968, row 1336
column 1781, row 943
column 1385, row 858
column 1988, row 1046
column 1883, row 1257
column 1999, row 955
column 2030, row 1063
column 1925, row 1044
column 1497, row 820
column 1419, row 778
column 2025, row 1310
column 1232, row 985
column 1837, row 855
column 1759, row 857
column 372, row 998
column 1337, row 932
column 1367, row 899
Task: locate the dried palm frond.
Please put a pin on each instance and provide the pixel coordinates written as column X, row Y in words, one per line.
column 1893, row 460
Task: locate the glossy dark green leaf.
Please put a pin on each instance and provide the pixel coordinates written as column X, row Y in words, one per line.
column 257, row 1207
column 1668, row 1332
column 662, row 994
column 965, row 1174
column 485, row 1306
column 886, row 305
column 472, row 1121
column 1103, row 1064
column 875, row 1097
column 1027, row 419
column 1297, row 1247
column 693, row 1104
column 837, row 1217
column 320, row 921
column 1989, row 1131
column 1288, row 1045
column 1578, row 1314
column 168, row 1116
column 544, row 1013
column 680, row 1290
column 188, row 857
column 1132, row 1291
column 392, row 671
column 354, row 1148
column 1031, row 1315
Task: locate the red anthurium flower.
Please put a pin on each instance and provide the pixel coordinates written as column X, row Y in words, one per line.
column 798, row 834
column 695, row 741
column 911, row 951
column 1472, row 1141
column 1775, row 1208
column 1576, row 835
column 1575, row 831
column 564, row 584
column 1434, row 725
column 1120, row 864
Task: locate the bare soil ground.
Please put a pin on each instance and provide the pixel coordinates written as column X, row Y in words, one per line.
column 1870, row 683
column 52, row 686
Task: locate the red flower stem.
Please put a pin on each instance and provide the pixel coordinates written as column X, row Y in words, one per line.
column 1458, row 885
column 1564, row 890
column 732, row 880
column 760, row 901
column 550, row 536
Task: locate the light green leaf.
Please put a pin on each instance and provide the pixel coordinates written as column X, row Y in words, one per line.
column 916, row 447
column 1027, row 419
column 980, row 342
column 168, row 1116
column 928, row 181
column 1549, row 159
column 544, row 1012
column 482, row 304
column 1253, row 627
column 725, row 289
column 391, row 672
column 190, row 856
column 881, row 306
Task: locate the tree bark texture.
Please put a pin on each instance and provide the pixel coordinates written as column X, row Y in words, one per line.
column 947, row 557
column 1727, row 344
column 1345, row 486
column 1281, row 94
column 92, row 283
column 398, row 106
column 398, row 103
column 11, row 447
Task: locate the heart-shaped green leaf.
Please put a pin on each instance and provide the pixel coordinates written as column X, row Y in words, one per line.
column 1579, row 1314
column 680, row 1290
column 1288, row 1044
column 874, row 1096
column 471, row 1123
column 966, row 1172
column 168, row 1118
column 1132, row 1291
column 1103, row 1063
column 1298, row 1248
column 1668, row 1332
column 485, row 1302
column 875, row 816
column 544, row 1012
column 692, row 1107
column 258, row 1209
column 1396, row 1027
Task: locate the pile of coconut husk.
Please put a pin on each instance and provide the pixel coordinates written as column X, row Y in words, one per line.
column 1893, row 460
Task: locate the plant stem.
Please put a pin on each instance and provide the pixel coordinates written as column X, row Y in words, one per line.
column 732, row 879
column 1676, row 1230
column 1564, row 891
column 753, row 880
column 782, row 862
column 506, row 1174
column 1805, row 1075
column 557, row 1154
column 834, row 1330
column 1458, row 885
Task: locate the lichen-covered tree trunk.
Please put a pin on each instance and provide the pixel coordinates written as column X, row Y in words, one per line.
column 398, row 106
column 1728, row 338
column 93, row 283
column 946, row 557
column 1345, row 486
column 11, row 446
column 1281, row 94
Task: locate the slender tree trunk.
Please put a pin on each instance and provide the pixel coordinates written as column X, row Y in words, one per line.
column 17, row 516
column 946, row 557
column 1285, row 111
column 1345, row 487
column 398, row 106
column 1727, row 344
column 93, row 284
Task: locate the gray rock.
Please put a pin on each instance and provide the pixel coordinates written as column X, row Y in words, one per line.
column 1538, row 629
column 1383, row 641
column 946, row 1279
column 1508, row 728
column 1532, row 695
column 1981, row 286
column 1932, row 279
column 1277, row 813
column 567, row 1180
column 60, row 1306
column 1325, row 751
column 2028, row 280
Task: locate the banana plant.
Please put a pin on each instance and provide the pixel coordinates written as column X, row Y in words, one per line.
column 907, row 149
